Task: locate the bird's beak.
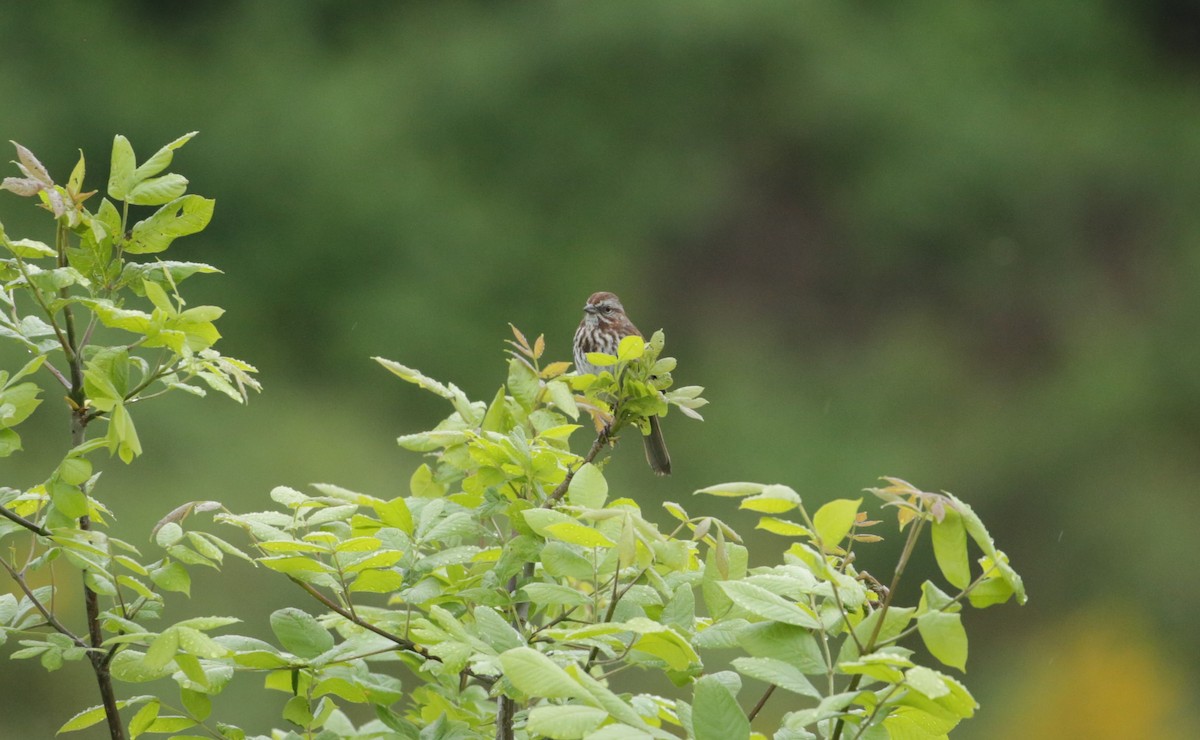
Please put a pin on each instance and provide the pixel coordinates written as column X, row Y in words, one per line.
column 589, row 308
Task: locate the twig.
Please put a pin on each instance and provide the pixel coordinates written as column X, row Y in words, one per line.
column 31, row 526
column 402, row 643
column 46, row 613
column 561, row 489
column 57, row 374
column 913, row 534
column 612, row 608
column 761, row 702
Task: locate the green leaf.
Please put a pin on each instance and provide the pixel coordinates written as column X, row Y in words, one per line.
column 180, row 217
column 143, row 719
column 834, row 520
column 85, row 719
column 896, row 620
column 763, row 603
column 778, row 673
column 106, row 376
column 497, row 418
column 567, row 722
column 950, row 549
column 170, row 724
column 29, row 249
column 663, row 642
column 161, row 159
column 927, row 681
column 120, row 177
column 28, row 369
column 554, row 594
column 733, row 489
column 10, row 442
column 884, row 667
column 564, row 561
column 578, row 534
column 172, row 577
column 122, row 436
column 600, row 359
column 395, row 513
column 157, row 190
column 944, row 637
column 198, row 704
column 996, row 558
column 74, row 471
column 17, row 403
column 377, row 582
column 910, row 723
column 784, row 527
column 430, row 441
column 630, row 348
column 793, row 645
column 990, row 592
column 935, row 599
column 199, row 644
column 588, row 488
column 536, row 675
column 75, row 181
column 208, row 623
column 540, row 519
column 158, row 297
column 774, row 499
column 68, row 499
column 523, row 383
column 162, row 650
column 495, row 629
column 381, row 559
column 300, row 633
column 422, row 485
column 716, row 714
column 562, row 398
column 617, row 708
column 168, row 534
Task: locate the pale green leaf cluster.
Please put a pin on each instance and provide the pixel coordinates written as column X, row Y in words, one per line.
column 516, row 586
column 506, row 593
column 108, row 330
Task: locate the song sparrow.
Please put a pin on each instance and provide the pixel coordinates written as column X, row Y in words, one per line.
column 603, row 326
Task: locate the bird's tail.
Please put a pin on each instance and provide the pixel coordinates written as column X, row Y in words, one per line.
column 656, row 449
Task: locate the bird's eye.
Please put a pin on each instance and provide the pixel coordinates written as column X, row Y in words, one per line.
column 607, row 309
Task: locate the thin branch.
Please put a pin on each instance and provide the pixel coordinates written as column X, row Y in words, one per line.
column 560, row 491
column 17, row 518
column 57, row 374
column 761, row 702
column 913, row 534
column 46, row 613
column 37, row 297
column 961, row 595
column 612, row 608
column 402, row 643
column 565, row 616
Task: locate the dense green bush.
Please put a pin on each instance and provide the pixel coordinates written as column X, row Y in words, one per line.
column 506, row 595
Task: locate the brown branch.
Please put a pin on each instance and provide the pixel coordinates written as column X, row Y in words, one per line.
column 401, row 642
column 31, row 526
column 57, row 374
column 905, row 554
column 46, row 613
column 561, row 489
column 761, row 702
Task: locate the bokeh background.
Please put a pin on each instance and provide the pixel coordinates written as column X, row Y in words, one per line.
column 957, row 243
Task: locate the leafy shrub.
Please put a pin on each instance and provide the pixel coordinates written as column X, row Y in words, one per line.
column 507, row 595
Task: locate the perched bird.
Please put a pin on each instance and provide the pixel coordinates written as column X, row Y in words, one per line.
column 604, row 325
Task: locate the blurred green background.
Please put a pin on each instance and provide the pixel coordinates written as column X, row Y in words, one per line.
column 952, row 242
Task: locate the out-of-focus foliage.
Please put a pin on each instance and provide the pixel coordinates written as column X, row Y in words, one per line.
column 955, row 241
